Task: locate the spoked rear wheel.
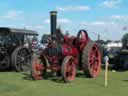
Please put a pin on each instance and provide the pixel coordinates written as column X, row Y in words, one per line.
column 21, row 59
column 38, row 68
column 91, row 59
column 68, row 69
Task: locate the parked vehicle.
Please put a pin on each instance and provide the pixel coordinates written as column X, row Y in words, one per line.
column 63, row 54
column 15, row 48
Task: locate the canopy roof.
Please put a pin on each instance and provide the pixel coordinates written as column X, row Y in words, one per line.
column 17, row 31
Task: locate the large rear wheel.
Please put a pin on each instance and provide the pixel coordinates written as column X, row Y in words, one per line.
column 21, row 59
column 91, row 59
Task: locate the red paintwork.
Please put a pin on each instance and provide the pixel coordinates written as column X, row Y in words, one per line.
column 37, row 70
column 73, row 46
column 70, row 70
column 69, row 51
column 94, row 61
column 83, row 40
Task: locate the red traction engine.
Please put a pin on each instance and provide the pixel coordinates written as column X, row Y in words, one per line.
column 64, row 54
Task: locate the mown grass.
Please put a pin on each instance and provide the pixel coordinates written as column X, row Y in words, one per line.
column 18, row 84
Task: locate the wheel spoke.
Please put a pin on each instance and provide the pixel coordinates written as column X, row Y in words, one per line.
column 19, row 61
column 93, row 60
column 38, row 69
column 25, row 59
column 68, row 69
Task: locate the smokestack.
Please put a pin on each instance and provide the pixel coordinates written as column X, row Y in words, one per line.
column 53, row 22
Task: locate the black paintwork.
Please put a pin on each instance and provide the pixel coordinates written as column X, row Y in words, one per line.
column 12, row 38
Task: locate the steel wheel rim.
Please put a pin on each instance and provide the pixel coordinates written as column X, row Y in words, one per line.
column 23, row 60
column 70, row 70
column 94, row 60
column 26, row 66
column 37, row 69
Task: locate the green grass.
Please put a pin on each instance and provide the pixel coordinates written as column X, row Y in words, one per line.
column 15, row 84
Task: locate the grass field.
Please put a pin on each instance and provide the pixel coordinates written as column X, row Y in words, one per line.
column 17, row 84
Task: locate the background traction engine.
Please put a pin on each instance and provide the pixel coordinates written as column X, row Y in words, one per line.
column 64, row 54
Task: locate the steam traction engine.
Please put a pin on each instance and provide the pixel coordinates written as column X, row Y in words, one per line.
column 15, row 48
column 64, row 54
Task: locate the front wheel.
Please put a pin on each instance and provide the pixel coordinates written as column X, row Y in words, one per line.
column 38, row 68
column 68, row 69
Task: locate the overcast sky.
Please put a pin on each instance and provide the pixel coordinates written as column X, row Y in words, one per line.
column 109, row 18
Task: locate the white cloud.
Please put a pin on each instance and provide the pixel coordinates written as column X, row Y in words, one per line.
column 34, row 26
column 73, row 8
column 38, row 27
column 116, row 17
column 111, row 3
column 97, row 23
column 61, row 21
column 119, row 17
column 47, row 21
column 107, row 29
column 13, row 14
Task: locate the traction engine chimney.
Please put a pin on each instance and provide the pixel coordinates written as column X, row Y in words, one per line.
column 53, row 23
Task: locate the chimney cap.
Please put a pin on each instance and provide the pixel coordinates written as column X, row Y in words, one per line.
column 53, row 12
